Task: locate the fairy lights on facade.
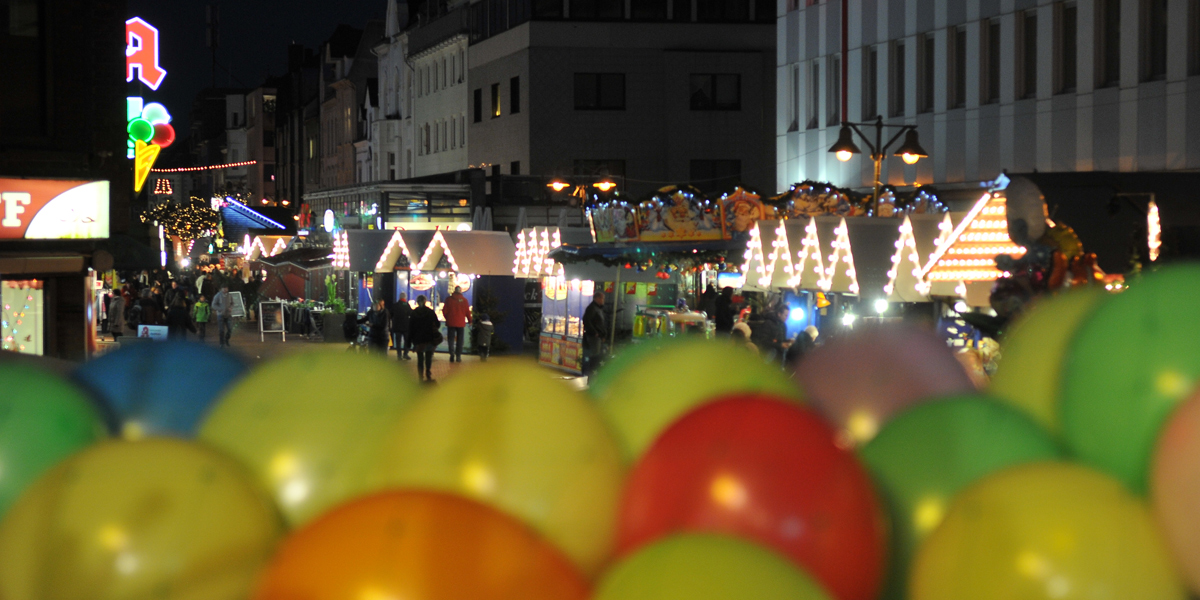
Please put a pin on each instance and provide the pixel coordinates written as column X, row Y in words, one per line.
column 905, row 261
column 1154, row 231
column 808, row 259
column 208, row 168
column 969, row 253
column 841, row 262
column 437, row 242
column 341, row 251
column 392, row 252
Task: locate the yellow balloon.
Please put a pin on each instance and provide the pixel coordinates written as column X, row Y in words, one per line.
column 305, row 423
column 1045, row 531
column 1032, row 352
column 642, row 396
column 508, row 434
column 160, row 518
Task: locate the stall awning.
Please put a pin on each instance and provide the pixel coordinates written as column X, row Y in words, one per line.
column 404, row 249
column 268, row 245
column 364, row 247
column 473, row 252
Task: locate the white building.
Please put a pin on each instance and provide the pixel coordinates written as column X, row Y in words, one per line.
column 392, row 129
column 438, row 54
column 1022, row 85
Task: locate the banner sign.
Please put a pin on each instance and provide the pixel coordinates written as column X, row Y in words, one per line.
column 49, row 209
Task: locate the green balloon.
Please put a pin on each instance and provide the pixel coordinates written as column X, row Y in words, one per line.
column 1131, row 363
column 141, row 129
column 927, row 454
column 1033, row 351
column 707, row 567
column 652, row 387
column 43, row 419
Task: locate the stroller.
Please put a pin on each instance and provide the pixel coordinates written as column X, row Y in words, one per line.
column 357, row 334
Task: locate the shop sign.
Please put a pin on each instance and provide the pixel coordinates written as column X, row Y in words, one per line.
column 461, row 281
column 420, row 281
column 44, row 209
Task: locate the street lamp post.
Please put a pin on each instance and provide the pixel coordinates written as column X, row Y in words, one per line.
column 910, row 151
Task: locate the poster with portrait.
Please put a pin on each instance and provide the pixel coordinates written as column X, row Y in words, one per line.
column 740, row 211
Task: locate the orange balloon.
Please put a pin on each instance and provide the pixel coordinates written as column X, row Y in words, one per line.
column 1175, row 487
column 418, row 545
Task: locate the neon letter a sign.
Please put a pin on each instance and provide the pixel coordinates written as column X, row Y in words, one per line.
column 141, row 53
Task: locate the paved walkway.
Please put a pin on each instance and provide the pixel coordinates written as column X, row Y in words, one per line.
column 245, row 342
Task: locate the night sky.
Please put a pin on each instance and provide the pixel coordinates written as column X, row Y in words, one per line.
column 254, row 36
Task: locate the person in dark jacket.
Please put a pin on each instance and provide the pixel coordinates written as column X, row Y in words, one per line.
column 595, row 327
column 151, row 315
column 401, row 313
column 179, row 322
column 377, row 320
column 724, row 310
column 708, row 301
column 425, row 329
column 771, row 334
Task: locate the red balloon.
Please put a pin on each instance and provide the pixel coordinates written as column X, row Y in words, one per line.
column 164, row 134
column 766, row 470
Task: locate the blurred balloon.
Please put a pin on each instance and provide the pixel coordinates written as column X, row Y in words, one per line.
column 768, row 471
column 707, row 567
column 924, row 456
column 1175, row 487
column 1034, row 349
column 164, row 134
column 418, row 545
column 650, row 389
column 858, row 381
column 1045, row 530
column 43, row 419
column 1131, row 363
column 308, row 423
column 159, row 518
column 140, row 129
column 160, row 388
column 510, row 435
column 156, row 113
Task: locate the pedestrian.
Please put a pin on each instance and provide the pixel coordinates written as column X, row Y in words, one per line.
column 116, row 315
column 201, row 313
column 457, row 311
column 425, row 330
column 740, row 335
column 708, row 301
column 179, row 322
column 723, row 305
column 377, row 323
column 173, row 293
column 802, row 344
column 483, row 336
column 595, row 327
column 222, row 305
column 770, row 334
column 152, row 313
column 401, row 313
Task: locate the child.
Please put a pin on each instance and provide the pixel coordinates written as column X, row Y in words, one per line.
column 201, row 312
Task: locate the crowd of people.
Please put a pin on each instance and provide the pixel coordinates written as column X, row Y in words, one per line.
column 184, row 302
column 762, row 329
column 419, row 331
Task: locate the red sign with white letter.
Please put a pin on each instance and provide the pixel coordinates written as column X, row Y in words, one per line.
column 141, row 53
column 48, row 209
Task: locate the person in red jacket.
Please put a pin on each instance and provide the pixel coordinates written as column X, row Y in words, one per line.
column 457, row 312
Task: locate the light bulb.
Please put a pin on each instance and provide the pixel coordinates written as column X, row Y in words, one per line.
column 910, row 159
column 844, row 155
column 881, row 306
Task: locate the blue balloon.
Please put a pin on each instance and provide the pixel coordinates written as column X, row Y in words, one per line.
column 155, row 388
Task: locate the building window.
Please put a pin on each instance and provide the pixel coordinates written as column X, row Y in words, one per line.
column 391, row 165
column 991, row 63
column 1068, row 27
column 477, row 107
column 597, row 9
column 957, row 88
column 495, row 100
column 648, row 10
column 1108, row 43
column 599, row 91
column 870, row 85
column 435, row 137
column 444, row 76
column 715, row 175
column 834, row 96
column 813, row 106
column 514, row 168
column 764, row 11
column 925, row 44
column 718, row 91
column 897, row 80
column 514, row 95
column 435, row 76
column 462, row 131
column 1193, row 37
column 600, row 168
column 793, row 107
column 681, row 10
column 1027, row 65
column 453, row 133
column 548, row 9
column 1154, row 40
column 444, row 140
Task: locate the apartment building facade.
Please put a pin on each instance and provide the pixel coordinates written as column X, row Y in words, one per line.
column 991, row 85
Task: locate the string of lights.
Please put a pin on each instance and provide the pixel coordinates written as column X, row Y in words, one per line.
column 208, row 168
